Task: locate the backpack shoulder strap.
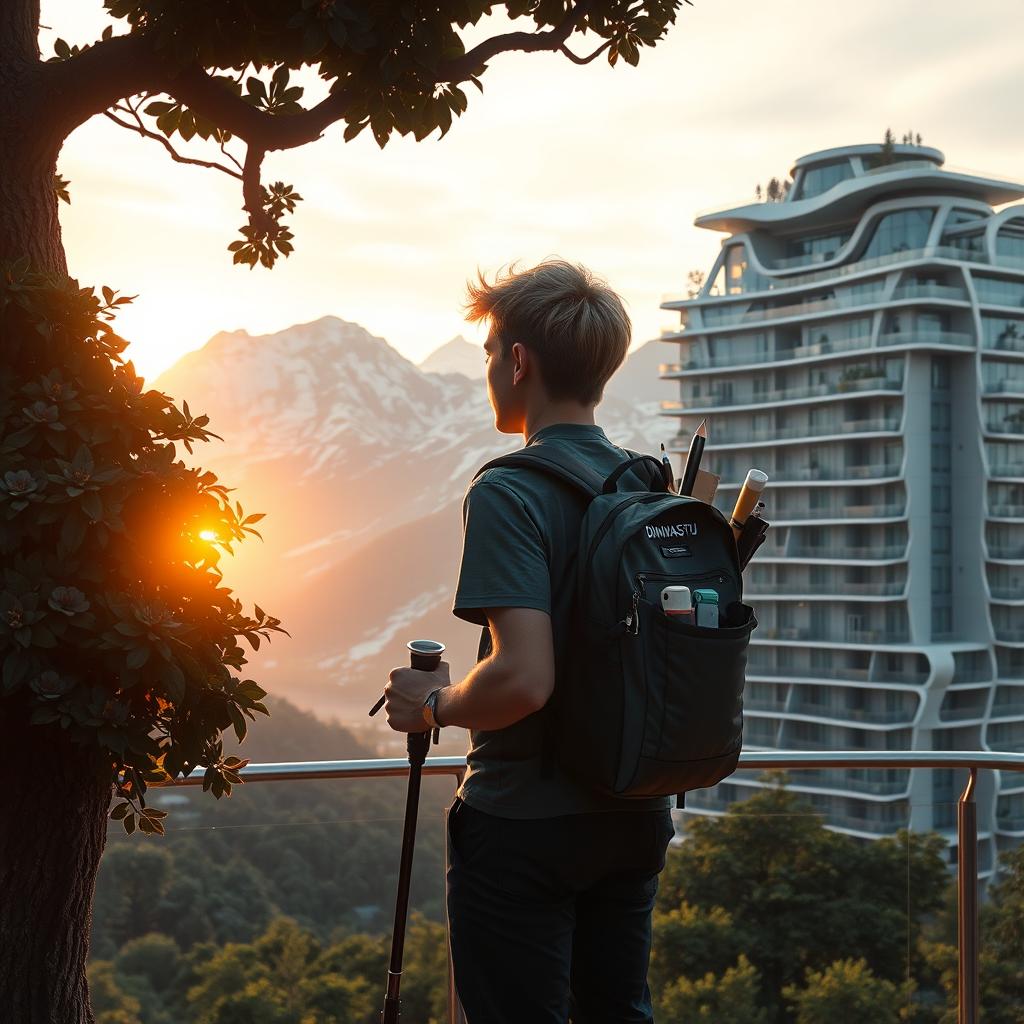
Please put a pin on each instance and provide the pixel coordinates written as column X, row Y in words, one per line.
column 554, row 462
column 562, row 464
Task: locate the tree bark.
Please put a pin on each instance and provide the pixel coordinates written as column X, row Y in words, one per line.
column 29, row 144
column 54, row 795
column 52, row 832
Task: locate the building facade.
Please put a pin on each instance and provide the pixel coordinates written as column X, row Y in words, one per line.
column 862, row 341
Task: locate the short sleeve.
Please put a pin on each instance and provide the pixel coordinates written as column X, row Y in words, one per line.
column 504, row 558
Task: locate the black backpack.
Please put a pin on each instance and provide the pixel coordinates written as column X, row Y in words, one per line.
column 647, row 705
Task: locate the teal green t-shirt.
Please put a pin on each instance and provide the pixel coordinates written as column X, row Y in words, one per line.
column 521, row 531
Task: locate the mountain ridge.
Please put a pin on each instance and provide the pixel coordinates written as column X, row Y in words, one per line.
column 360, row 459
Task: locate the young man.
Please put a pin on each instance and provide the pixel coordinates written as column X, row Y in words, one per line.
column 550, row 885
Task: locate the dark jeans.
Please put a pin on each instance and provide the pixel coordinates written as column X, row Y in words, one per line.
column 552, row 916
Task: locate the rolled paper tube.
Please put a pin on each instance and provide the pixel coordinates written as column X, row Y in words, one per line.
column 749, row 496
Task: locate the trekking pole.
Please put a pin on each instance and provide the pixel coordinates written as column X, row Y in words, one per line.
column 425, row 655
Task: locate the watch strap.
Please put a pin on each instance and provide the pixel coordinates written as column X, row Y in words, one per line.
column 430, row 709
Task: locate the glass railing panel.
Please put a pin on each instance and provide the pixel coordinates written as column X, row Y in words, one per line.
column 275, row 904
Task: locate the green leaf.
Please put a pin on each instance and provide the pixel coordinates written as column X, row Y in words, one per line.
column 237, row 721
column 120, row 810
column 18, row 666
column 173, row 680
column 338, row 32
column 137, row 657
column 256, row 87
column 72, row 532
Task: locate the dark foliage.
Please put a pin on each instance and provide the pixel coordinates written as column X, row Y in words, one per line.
column 114, row 622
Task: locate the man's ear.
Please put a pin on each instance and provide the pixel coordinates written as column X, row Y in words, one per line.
column 520, row 361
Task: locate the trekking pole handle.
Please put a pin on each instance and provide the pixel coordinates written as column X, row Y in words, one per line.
column 424, row 655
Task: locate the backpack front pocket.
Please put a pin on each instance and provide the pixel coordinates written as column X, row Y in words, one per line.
column 693, row 687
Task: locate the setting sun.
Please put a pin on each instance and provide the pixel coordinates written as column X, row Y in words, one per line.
column 207, row 535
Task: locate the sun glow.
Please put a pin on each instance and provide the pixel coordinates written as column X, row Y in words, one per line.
column 208, row 535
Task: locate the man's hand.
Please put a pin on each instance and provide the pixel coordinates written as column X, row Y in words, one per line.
column 405, row 693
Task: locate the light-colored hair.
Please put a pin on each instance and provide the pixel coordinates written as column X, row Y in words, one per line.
column 574, row 323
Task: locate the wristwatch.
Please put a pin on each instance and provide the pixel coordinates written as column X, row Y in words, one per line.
column 430, row 709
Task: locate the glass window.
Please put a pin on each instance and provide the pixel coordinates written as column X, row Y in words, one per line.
column 1010, row 243
column 820, row 179
column 996, row 291
column 816, row 247
column 1001, row 332
column 739, row 276
column 900, row 231
column 735, row 269
column 962, row 216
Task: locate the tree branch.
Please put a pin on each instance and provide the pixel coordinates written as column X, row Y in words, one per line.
column 111, row 70
column 530, row 42
column 141, row 128
column 252, row 189
column 585, row 60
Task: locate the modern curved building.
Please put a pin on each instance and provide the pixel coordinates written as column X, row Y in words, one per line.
column 862, row 341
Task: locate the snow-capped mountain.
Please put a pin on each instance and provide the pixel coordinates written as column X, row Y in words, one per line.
column 456, row 356
column 360, row 460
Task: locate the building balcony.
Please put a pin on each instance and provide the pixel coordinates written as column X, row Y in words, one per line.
column 1014, row 345
column 858, row 267
column 832, row 553
column 1006, row 470
column 1006, row 593
column 764, row 704
column 873, row 783
column 838, row 589
column 818, row 432
column 799, row 309
column 1003, row 387
column 849, row 636
column 839, row 713
column 930, row 291
column 1008, row 709
column 1009, row 634
column 838, row 389
column 874, row 826
column 871, row 471
column 829, row 674
column 961, row 714
column 1006, row 511
column 816, row 350
column 1006, row 552
column 854, row 512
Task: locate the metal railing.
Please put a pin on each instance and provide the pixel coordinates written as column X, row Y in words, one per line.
column 967, row 819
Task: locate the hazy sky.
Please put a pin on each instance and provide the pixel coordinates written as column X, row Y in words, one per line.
column 605, row 166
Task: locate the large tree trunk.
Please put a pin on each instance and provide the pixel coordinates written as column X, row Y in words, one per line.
column 29, row 144
column 54, row 795
column 52, row 832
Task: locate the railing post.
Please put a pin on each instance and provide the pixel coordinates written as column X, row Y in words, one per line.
column 967, row 902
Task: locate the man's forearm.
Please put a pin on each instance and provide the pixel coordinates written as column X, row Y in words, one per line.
column 489, row 697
